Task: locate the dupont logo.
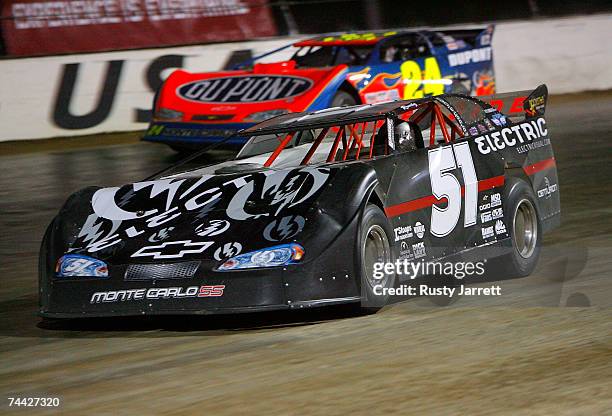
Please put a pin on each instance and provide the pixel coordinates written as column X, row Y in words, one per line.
column 244, row 89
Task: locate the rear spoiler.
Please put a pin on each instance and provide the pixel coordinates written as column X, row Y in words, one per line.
column 519, row 105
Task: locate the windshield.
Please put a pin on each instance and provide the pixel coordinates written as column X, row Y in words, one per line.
column 317, row 56
column 421, row 126
column 314, row 56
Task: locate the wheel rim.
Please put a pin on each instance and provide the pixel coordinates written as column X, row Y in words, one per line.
column 525, row 228
column 375, row 249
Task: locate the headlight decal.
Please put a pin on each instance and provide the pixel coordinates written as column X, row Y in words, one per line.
column 76, row 265
column 264, row 115
column 168, row 114
column 280, row 255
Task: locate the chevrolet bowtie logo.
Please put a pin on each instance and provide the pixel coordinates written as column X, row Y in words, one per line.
column 173, row 249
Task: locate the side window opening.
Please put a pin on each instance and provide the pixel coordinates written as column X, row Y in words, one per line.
column 405, row 48
column 321, row 56
column 356, row 141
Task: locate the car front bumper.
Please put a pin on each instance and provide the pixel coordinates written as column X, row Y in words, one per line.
column 330, row 278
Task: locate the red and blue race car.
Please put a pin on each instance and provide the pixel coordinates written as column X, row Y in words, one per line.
column 314, row 74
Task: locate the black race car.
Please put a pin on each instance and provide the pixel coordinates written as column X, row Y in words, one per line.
column 308, row 207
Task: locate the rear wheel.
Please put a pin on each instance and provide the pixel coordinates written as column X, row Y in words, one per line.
column 374, row 247
column 457, row 87
column 525, row 230
column 343, row 99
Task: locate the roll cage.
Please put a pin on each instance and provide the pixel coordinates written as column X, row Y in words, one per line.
column 366, row 131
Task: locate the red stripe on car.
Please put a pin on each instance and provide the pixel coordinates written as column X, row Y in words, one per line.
column 540, row 166
column 427, row 201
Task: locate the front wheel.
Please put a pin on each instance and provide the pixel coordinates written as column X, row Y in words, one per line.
column 374, row 249
column 343, row 99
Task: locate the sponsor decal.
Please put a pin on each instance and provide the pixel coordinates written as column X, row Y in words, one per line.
column 155, row 130
column 548, row 189
column 156, row 293
column 486, row 217
column 405, row 252
column 48, row 27
column 487, row 232
column 173, row 249
column 352, row 37
column 513, row 136
column 500, row 228
column 499, row 119
column 212, row 228
column 497, row 213
column 535, row 105
column 495, row 200
column 419, row 229
column 402, row 233
column 471, row 56
column 161, row 130
column 485, row 205
column 285, row 228
column 227, row 251
column 531, row 146
column 419, row 250
column 390, row 132
column 244, row 89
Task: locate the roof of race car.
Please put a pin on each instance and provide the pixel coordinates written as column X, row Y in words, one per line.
column 360, row 38
column 330, row 117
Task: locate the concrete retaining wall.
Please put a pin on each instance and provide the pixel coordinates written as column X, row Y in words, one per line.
column 106, row 92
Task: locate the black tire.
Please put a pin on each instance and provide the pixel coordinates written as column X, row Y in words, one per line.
column 374, row 244
column 524, row 227
column 457, row 87
column 343, row 99
column 180, row 149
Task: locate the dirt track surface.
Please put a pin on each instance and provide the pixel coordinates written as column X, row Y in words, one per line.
column 543, row 347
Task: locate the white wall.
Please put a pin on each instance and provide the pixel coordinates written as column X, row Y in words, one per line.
column 29, row 87
column 569, row 54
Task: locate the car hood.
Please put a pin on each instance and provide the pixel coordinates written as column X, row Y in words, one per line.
column 210, row 217
column 232, row 96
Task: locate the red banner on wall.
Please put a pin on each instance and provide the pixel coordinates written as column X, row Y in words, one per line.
column 45, row 27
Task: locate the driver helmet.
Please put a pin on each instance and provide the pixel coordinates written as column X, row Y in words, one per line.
column 404, row 137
